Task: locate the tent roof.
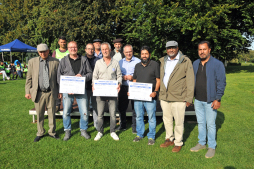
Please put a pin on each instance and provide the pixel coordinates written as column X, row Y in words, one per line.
column 17, row 46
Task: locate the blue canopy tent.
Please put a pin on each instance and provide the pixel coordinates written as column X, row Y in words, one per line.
column 16, row 46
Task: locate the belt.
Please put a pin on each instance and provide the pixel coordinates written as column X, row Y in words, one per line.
column 45, row 90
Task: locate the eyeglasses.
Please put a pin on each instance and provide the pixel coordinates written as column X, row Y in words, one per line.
column 89, row 48
column 72, row 47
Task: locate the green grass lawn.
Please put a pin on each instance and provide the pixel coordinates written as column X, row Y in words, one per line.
column 235, row 134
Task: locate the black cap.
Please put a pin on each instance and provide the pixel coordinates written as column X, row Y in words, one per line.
column 97, row 40
column 117, row 40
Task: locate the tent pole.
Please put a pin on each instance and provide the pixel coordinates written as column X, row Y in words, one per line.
column 10, row 57
column 22, row 57
column 3, row 56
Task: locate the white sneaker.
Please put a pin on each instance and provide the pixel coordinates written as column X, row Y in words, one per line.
column 114, row 136
column 98, row 136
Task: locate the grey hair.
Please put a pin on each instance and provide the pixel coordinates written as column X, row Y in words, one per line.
column 106, row 43
column 127, row 46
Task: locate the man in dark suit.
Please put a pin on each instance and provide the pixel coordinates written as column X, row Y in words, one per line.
column 117, row 53
column 41, row 86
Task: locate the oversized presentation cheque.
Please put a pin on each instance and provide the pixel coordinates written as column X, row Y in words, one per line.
column 72, row 84
column 106, row 88
column 140, row 91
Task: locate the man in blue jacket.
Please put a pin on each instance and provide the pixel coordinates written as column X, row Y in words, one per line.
column 210, row 84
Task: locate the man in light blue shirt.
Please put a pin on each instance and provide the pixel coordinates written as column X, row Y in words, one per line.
column 127, row 66
column 170, row 65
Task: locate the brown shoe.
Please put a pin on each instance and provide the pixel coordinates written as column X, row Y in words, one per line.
column 176, row 149
column 167, row 143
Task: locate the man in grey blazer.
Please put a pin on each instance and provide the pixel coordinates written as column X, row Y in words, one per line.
column 74, row 64
column 41, row 86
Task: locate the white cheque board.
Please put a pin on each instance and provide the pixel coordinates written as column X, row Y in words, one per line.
column 72, row 84
column 140, row 91
column 106, row 88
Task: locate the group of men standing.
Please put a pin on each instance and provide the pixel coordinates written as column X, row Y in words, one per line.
column 175, row 81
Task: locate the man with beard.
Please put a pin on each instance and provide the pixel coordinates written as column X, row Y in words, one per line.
column 97, row 46
column 148, row 71
column 209, row 88
column 59, row 54
column 117, row 54
column 62, row 51
column 176, row 92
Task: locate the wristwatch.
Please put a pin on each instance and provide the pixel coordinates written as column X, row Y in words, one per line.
column 157, row 92
column 218, row 100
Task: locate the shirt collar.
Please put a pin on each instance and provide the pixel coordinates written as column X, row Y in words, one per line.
column 75, row 59
column 43, row 60
column 132, row 59
column 176, row 58
column 117, row 52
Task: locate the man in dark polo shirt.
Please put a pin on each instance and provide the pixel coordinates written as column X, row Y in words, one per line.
column 148, row 71
column 209, row 88
column 75, row 65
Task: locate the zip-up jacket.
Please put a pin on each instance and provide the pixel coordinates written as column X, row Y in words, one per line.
column 65, row 68
column 180, row 85
column 215, row 76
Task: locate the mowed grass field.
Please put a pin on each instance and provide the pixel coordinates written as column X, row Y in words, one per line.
column 235, row 135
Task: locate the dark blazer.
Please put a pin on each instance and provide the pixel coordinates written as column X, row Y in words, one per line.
column 112, row 53
column 32, row 79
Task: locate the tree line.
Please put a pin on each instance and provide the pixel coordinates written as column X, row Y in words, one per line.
column 228, row 24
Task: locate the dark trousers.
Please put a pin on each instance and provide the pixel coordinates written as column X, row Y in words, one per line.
column 14, row 74
column 123, row 103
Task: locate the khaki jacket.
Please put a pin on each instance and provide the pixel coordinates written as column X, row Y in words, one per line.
column 180, row 86
column 32, row 79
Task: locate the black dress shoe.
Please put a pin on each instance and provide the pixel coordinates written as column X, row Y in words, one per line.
column 37, row 138
column 55, row 136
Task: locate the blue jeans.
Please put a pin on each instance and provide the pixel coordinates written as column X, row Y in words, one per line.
column 206, row 117
column 151, row 110
column 84, row 115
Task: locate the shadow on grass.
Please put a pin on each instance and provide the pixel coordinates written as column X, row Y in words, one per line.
column 238, row 69
column 219, row 121
column 191, row 122
column 75, row 125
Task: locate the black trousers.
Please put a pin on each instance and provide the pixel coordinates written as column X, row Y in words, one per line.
column 123, row 103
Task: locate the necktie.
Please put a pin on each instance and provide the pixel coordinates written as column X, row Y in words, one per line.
column 45, row 75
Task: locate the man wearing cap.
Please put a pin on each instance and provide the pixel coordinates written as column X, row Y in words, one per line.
column 97, row 47
column 127, row 66
column 62, row 51
column 117, row 53
column 107, row 69
column 176, row 92
column 41, row 86
column 75, row 65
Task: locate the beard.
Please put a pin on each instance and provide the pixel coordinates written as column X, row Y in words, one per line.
column 204, row 58
column 145, row 61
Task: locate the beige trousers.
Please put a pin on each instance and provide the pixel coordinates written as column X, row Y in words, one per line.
column 174, row 110
column 45, row 99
